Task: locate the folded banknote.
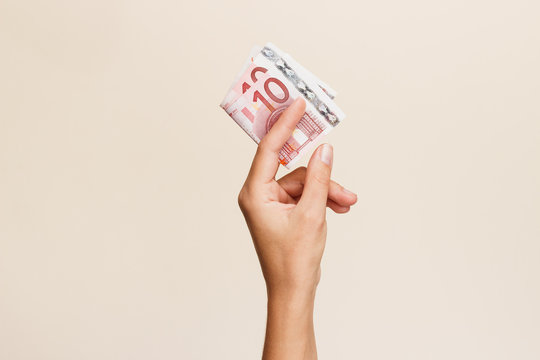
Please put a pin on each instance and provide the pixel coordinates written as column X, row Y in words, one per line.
column 267, row 84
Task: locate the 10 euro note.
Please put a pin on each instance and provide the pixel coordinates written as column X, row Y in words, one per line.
column 268, row 83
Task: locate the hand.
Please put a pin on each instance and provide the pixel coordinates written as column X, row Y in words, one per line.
column 287, row 221
column 287, row 217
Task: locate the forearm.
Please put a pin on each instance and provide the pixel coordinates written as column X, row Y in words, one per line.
column 289, row 328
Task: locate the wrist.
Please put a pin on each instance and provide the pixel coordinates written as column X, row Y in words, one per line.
column 293, row 283
column 292, row 310
column 292, row 296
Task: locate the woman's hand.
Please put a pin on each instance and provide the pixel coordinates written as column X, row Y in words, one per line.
column 287, row 221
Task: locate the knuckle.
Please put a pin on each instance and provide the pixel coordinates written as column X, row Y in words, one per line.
column 247, row 198
column 243, row 199
column 297, row 174
column 263, row 145
column 311, row 218
column 321, row 179
column 263, row 150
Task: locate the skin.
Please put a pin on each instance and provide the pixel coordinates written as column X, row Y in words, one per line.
column 287, row 221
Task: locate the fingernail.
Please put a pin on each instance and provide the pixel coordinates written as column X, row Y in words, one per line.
column 346, row 191
column 326, row 154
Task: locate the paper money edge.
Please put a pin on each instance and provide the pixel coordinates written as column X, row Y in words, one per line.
column 323, row 85
column 313, row 94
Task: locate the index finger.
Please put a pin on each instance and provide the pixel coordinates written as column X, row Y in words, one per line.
column 266, row 161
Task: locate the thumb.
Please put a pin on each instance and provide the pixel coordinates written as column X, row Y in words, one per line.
column 317, row 180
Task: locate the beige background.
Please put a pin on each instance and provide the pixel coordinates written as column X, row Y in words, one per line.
column 120, row 236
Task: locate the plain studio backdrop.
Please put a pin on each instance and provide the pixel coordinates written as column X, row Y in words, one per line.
column 120, row 235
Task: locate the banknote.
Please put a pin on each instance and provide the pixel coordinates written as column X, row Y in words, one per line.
column 268, row 83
